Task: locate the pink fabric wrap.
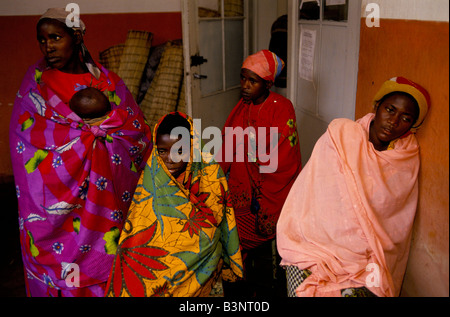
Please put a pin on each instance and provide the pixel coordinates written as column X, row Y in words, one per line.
column 350, row 210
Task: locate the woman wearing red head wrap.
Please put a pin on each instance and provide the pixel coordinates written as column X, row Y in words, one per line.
column 259, row 186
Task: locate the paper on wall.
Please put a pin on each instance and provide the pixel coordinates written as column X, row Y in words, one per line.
column 307, row 49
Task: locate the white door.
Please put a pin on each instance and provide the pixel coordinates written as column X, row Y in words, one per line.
column 331, row 92
column 215, row 37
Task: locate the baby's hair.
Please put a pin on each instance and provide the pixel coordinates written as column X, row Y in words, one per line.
column 172, row 121
column 90, row 103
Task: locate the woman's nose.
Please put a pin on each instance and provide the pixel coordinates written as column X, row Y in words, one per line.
column 168, row 159
column 393, row 120
column 48, row 46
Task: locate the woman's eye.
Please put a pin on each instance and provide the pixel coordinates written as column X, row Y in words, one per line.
column 407, row 119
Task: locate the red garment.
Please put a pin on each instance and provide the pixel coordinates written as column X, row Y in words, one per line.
column 245, row 179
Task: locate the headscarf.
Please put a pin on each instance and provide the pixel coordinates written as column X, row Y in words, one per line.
column 265, row 64
column 419, row 93
column 60, row 14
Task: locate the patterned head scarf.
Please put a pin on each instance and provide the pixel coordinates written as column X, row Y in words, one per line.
column 419, row 93
column 60, row 14
column 265, row 64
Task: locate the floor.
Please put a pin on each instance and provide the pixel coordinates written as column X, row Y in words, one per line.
column 11, row 269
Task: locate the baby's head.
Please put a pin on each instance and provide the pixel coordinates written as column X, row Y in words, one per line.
column 90, row 103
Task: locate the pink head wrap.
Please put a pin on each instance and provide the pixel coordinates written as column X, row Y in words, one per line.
column 265, row 64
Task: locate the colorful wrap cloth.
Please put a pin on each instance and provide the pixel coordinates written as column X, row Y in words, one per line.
column 258, row 197
column 178, row 238
column 349, row 216
column 74, row 183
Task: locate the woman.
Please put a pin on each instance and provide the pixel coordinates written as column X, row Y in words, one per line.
column 346, row 225
column 180, row 235
column 258, row 187
column 74, row 181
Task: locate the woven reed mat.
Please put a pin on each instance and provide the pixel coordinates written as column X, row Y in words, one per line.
column 134, row 58
column 207, row 13
column 165, row 90
column 110, row 58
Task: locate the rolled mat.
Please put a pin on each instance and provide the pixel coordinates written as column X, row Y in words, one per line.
column 166, row 87
column 233, row 8
column 134, row 58
column 110, row 58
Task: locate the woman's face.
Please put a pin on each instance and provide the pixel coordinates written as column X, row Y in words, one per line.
column 395, row 116
column 58, row 46
column 253, row 87
column 175, row 166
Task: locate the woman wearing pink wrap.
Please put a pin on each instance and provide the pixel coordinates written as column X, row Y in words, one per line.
column 345, row 228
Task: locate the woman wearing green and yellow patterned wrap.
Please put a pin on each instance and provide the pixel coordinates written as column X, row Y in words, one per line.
column 180, row 235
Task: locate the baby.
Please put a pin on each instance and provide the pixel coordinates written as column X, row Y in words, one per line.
column 91, row 105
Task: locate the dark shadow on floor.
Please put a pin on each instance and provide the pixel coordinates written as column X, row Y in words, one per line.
column 264, row 276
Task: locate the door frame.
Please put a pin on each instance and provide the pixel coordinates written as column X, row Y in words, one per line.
column 193, row 96
column 187, row 28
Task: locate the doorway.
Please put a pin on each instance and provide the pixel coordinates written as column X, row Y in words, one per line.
column 215, row 34
column 322, row 77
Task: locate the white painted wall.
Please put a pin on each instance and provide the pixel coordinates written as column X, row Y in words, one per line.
column 33, row 7
column 423, row 10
